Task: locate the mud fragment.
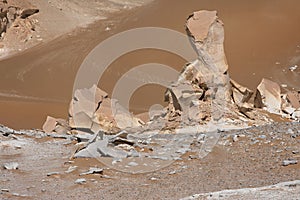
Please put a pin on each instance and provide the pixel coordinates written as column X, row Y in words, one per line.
column 80, row 181
column 268, row 96
column 28, row 12
column 92, row 170
column 293, row 99
column 289, row 162
column 11, row 166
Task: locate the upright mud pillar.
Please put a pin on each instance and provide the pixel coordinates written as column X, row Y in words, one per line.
column 203, row 89
column 206, row 33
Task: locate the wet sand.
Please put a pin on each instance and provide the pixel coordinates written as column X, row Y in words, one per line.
column 261, row 40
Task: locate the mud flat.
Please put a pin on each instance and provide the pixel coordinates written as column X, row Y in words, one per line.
column 242, row 159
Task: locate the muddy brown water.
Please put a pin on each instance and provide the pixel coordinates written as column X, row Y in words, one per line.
column 261, row 40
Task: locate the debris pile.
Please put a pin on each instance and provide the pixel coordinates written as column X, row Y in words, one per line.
column 203, row 101
column 91, row 108
column 269, row 97
column 16, row 20
column 204, row 91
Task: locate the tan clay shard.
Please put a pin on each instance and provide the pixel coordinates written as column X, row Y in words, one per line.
column 92, row 108
column 59, row 126
column 268, row 96
column 293, row 100
column 49, row 125
column 240, row 93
